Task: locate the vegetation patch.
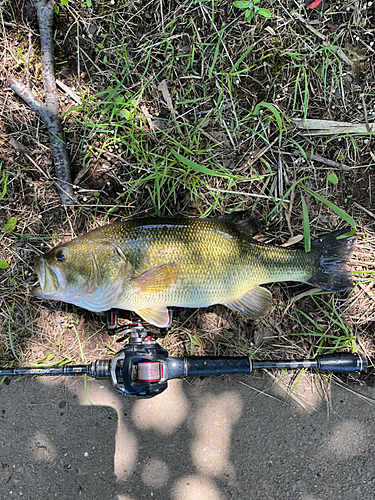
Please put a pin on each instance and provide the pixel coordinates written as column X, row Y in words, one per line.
column 195, row 108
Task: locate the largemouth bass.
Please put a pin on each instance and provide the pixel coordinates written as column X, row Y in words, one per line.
column 147, row 265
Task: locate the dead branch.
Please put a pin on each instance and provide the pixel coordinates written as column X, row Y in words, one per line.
column 329, row 127
column 321, row 159
column 48, row 111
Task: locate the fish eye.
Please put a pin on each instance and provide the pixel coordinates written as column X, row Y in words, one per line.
column 61, row 255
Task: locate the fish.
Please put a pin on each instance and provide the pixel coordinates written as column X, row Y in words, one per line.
column 148, row 265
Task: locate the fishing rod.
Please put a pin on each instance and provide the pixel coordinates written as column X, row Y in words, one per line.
column 143, row 368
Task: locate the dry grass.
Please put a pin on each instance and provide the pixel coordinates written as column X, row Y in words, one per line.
column 217, row 68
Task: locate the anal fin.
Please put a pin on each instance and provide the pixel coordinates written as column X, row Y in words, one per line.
column 255, row 303
column 157, row 316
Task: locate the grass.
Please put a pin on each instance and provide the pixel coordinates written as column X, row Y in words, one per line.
column 216, row 137
column 325, row 326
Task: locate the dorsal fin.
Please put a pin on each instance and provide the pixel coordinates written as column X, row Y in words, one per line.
column 231, row 218
column 247, row 226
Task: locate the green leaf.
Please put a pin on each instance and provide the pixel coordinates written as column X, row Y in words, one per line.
column 242, row 5
column 3, row 264
column 249, row 14
column 10, row 225
column 89, row 3
column 196, row 340
column 48, row 357
column 264, row 12
column 306, row 225
column 332, row 178
column 64, row 2
column 338, row 211
column 56, row 9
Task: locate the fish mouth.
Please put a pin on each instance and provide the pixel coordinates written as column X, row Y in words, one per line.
column 40, row 271
column 49, row 283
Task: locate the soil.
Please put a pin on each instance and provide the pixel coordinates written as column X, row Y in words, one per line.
column 211, row 439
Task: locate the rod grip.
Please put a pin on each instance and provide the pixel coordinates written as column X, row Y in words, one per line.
column 213, row 365
column 344, row 362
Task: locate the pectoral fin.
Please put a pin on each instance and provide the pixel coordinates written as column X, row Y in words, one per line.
column 157, row 279
column 158, row 316
column 255, row 303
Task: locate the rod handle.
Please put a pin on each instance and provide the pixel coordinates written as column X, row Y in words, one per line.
column 213, row 365
column 343, row 362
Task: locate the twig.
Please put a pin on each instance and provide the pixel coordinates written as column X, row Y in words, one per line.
column 323, row 160
column 250, row 160
column 19, row 147
column 28, row 63
column 371, row 214
column 49, row 111
column 69, row 91
column 25, row 93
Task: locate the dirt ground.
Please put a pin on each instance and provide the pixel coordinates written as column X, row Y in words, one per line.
column 212, row 439
column 142, row 81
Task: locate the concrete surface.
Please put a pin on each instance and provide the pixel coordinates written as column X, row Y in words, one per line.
column 208, row 439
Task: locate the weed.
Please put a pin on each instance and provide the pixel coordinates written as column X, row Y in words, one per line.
column 3, row 183
column 251, row 9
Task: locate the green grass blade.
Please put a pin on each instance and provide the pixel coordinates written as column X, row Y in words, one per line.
column 276, row 207
column 306, row 225
column 275, row 113
column 338, row 211
column 204, row 170
column 215, row 55
column 237, row 63
column 4, row 179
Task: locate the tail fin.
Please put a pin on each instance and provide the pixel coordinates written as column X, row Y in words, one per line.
column 331, row 257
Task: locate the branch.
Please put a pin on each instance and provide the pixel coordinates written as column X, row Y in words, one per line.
column 25, row 93
column 49, row 111
column 329, row 127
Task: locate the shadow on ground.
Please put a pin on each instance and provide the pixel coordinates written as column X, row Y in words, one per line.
column 209, row 440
